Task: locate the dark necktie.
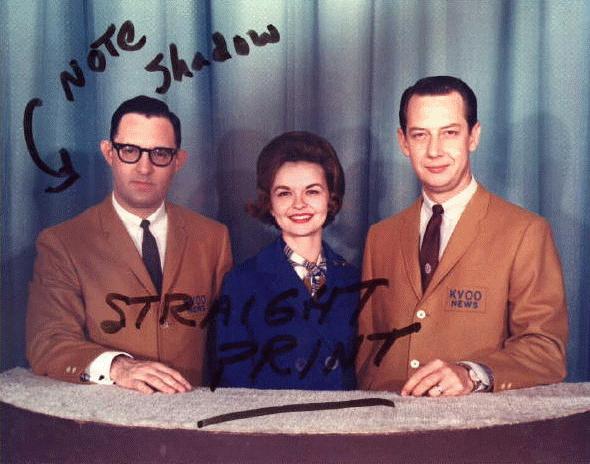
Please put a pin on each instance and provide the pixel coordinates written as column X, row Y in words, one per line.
column 430, row 246
column 151, row 256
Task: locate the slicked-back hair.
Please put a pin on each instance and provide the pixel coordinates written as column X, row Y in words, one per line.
column 439, row 85
column 149, row 107
column 294, row 147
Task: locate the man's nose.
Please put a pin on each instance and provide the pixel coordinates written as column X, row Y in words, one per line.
column 144, row 164
column 434, row 147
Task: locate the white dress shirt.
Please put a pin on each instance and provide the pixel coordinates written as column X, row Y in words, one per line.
column 453, row 209
column 158, row 227
column 99, row 369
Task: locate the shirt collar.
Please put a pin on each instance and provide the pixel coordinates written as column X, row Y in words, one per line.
column 132, row 219
column 298, row 259
column 456, row 203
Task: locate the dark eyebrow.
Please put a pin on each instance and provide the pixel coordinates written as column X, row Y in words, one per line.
column 140, row 147
column 284, row 187
column 448, row 126
column 278, row 187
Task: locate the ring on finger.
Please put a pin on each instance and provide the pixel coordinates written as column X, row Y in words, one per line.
column 437, row 389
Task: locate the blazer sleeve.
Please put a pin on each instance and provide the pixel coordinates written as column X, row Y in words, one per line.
column 224, row 262
column 363, row 365
column 535, row 350
column 55, row 327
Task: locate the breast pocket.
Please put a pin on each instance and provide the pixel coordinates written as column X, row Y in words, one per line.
column 466, row 298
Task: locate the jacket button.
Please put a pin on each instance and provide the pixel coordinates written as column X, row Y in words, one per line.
column 331, row 363
column 414, row 364
column 300, row 364
column 421, row 314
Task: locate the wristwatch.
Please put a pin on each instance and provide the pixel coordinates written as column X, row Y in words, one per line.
column 480, row 375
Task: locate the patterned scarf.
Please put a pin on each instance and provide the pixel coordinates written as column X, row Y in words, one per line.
column 316, row 273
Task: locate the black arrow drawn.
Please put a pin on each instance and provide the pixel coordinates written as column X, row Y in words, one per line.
column 67, row 168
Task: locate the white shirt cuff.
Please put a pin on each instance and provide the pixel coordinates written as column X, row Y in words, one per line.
column 99, row 369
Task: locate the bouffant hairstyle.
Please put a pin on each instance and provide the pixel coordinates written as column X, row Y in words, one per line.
column 293, row 147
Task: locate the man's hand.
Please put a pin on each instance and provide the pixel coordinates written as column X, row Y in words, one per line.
column 147, row 376
column 439, row 378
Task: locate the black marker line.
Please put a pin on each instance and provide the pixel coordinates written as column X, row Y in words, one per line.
column 301, row 407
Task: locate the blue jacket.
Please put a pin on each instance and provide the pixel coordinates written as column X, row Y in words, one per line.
column 269, row 333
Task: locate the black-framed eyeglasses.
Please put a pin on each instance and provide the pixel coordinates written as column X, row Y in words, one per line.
column 130, row 154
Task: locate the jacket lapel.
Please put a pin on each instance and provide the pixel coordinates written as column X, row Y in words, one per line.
column 334, row 266
column 281, row 275
column 121, row 245
column 465, row 232
column 410, row 245
column 175, row 245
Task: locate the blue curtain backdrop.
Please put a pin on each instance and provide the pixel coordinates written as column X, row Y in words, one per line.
column 338, row 69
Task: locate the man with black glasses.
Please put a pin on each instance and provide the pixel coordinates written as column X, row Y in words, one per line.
column 118, row 292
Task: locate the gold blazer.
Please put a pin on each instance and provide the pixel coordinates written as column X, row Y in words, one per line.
column 91, row 293
column 497, row 298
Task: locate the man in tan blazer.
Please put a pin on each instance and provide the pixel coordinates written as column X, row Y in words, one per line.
column 114, row 298
column 489, row 314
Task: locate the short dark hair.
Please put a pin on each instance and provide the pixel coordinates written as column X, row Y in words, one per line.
column 293, row 147
column 439, row 85
column 148, row 107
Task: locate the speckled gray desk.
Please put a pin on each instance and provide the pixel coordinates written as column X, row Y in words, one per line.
column 346, row 435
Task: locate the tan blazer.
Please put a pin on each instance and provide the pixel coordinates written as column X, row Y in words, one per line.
column 497, row 298
column 91, row 292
